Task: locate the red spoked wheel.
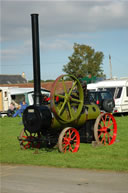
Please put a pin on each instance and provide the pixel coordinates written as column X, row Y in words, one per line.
column 69, row 140
column 105, row 129
column 29, row 140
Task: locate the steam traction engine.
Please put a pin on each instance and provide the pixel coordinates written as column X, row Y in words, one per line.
column 68, row 119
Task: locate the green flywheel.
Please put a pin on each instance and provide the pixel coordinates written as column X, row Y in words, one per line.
column 66, row 98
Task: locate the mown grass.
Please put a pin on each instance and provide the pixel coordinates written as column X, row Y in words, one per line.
column 114, row 157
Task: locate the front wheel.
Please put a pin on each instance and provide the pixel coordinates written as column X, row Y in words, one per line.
column 69, row 140
column 29, row 140
column 105, row 129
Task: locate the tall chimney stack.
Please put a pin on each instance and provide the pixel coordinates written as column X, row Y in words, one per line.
column 36, row 59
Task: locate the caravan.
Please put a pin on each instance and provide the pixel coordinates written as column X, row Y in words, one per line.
column 119, row 90
column 9, row 94
column 5, row 99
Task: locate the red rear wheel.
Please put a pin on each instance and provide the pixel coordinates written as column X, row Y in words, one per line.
column 69, row 140
column 105, row 129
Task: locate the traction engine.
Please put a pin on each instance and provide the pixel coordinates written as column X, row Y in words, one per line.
column 69, row 118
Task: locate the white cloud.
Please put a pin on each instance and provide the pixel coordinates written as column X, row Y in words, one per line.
column 58, row 22
column 61, row 23
column 57, row 18
column 57, row 45
column 16, row 51
column 9, row 53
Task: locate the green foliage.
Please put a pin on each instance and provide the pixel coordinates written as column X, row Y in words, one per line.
column 30, row 81
column 50, row 80
column 113, row 157
column 84, row 62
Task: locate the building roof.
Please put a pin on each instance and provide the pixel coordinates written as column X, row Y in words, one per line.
column 12, row 79
column 46, row 85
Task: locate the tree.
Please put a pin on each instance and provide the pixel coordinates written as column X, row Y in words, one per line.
column 84, row 62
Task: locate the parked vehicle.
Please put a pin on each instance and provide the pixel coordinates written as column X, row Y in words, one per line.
column 16, row 94
column 118, row 89
column 5, row 99
column 103, row 99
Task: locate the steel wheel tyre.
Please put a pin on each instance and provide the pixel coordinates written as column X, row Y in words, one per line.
column 69, row 140
column 66, row 105
column 105, row 129
column 28, row 140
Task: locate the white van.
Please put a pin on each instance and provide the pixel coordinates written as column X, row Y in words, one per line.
column 119, row 90
column 9, row 94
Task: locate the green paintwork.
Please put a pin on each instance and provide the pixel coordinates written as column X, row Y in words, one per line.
column 90, row 112
column 70, row 111
column 69, row 99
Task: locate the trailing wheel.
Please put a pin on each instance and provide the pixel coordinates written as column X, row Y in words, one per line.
column 105, row 129
column 68, row 103
column 69, row 140
column 29, row 140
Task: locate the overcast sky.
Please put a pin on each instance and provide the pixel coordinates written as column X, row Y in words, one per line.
column 101, row 24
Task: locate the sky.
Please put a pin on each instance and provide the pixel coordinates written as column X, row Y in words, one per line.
column 101, row 24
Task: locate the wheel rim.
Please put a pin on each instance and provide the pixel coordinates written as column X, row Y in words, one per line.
column 29, row 140
column 69, row 140
column 105, row 129
column 69, row 106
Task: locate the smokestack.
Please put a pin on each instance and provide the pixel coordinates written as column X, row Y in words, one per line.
column 36, row 59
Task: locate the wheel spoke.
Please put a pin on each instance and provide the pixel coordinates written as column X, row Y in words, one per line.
column 109, row 137
column 62, row 108
column 106, row 117
column 74, row 84
column 65, row 135
column 104, row 138
column 70, row 110
column 27, row 145
column 65, row 139
column 99, row 134
column 110, row 125
column 65, row 90
column 60, row 96
column 103, row 121
column 109, row 120
column 74, row 137
column 70, row 148
column 65, row 147
column 100, row 129
column 71, row 133
column 76, row 100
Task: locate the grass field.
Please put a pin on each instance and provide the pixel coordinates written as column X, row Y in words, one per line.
column 114, row 157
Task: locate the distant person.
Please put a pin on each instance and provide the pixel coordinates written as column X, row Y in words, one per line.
column 85, row 91
column 21, row 110
column 11, row 110
column 15, row 104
